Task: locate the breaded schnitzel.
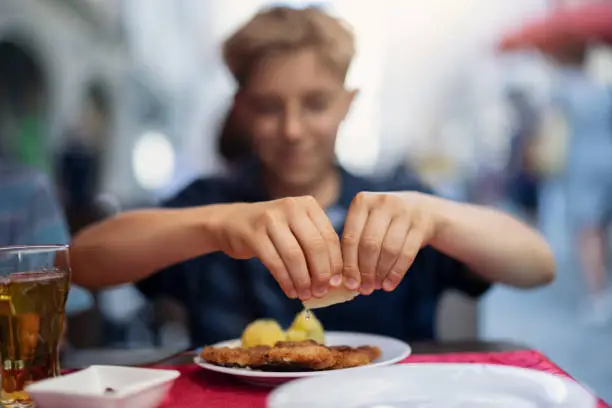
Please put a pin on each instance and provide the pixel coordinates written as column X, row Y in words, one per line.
column 305, row 355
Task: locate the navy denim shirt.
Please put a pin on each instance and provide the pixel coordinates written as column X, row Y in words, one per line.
column 222, row 295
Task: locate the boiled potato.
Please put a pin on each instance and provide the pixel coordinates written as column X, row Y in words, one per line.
column 309, row 326
column 264, row 332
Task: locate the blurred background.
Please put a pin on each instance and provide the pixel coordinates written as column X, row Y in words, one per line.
column 120, row 102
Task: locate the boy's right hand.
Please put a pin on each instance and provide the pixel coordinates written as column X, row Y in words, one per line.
column 292, row 237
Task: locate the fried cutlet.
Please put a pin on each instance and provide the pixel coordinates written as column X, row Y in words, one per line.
column 234, row 357
column 347, row 357
column 306, row 355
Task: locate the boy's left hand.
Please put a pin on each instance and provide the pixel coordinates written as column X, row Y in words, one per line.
column 382, row 236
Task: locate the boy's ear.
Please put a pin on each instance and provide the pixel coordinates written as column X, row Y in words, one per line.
column 238, row 99
column 239, row 103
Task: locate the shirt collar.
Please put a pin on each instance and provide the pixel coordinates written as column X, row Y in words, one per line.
column 248, row 184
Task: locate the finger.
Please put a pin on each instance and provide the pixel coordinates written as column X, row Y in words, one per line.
column 293, row 257
column 391, row 247
column 314, row 247
column 353, row 227
column 329, row 234
column 412, row 245
column 270, row 257
column 369, row 247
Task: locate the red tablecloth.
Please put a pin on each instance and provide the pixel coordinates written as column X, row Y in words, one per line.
column 199, row 388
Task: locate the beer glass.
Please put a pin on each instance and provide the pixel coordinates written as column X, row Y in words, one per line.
column 34, row 284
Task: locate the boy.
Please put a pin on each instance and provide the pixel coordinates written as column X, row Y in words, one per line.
column 292, row 216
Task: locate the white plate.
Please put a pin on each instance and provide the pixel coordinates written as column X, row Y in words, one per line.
column 392, row 351
column 133, row 387
column 434, row 386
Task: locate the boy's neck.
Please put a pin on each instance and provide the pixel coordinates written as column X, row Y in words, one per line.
column 326, row 190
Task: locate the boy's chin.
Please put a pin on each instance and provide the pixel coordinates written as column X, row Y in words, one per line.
column 299, row 179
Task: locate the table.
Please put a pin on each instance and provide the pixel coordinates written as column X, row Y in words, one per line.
column 80, row 358
column 196, row 386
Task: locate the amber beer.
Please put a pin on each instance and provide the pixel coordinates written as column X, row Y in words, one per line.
column 32, row 313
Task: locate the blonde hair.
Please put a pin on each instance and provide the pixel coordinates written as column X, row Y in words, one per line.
column 284, row 29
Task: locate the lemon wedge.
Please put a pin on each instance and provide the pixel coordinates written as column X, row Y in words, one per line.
column 296, row 335
column 333, row 297
column 310, row 327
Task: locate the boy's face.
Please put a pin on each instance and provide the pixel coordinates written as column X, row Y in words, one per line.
column 294, row 105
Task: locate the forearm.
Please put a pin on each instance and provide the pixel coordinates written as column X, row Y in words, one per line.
column 492, row 244
column 133, row 245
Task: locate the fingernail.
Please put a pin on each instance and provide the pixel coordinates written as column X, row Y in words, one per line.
column 336, row 280
column 320, row 291
column 305, row 294
column 378, row 285
column 388, row 285
column 367, row 288
column 292, row 294
column 352, row 284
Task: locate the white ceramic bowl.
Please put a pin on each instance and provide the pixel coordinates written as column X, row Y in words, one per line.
column 131, row 388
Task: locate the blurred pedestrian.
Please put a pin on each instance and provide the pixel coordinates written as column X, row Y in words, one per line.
column 30, row 215
column 233, row 142
column 587, row 106
column 523, row 178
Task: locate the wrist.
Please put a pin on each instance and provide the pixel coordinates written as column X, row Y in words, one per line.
column 209, row 222
column 439, row 210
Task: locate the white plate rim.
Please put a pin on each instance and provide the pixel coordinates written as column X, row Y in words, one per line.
column 242, row 372
column 578, row 389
